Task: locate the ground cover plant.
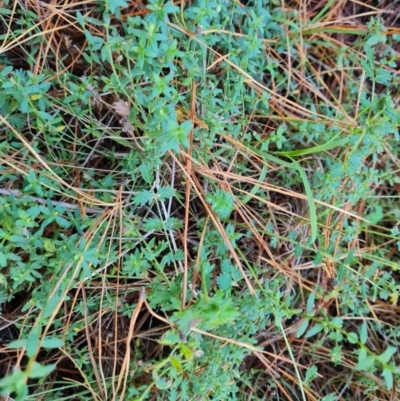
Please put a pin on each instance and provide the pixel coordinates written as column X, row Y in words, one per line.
column 199, row 200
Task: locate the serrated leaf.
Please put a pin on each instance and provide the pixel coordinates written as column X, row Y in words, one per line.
column 143, row 197
column 165, row 193
column 146, row 170
column 39, row 370
column 314, row 330
column 311, row 373
column 153, row 223
column 383, row 76
column 363, row 333
column 222, row 203
column 375, row 39
column 367, row 68
column 173, row 224
column 224, row 282
column 218, row 310
column 302, row 328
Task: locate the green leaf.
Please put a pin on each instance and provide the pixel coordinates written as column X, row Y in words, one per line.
column 311, row 203
column 49, row 245
column 316, row 149
column 143, row 197
column 185, row 128
column 383, row 76
column 218, row 310
column 162, row 383
column 115, row 5
column 186, row 352
column 365, row 362
column 314, row 330
column 169, row 8
column 337, row 321
column 21, row 343
column 222, row 203
column 175, row 136
column 33, row 342
column 256, row 188
column 50, row 306
column 94, row 41
column 375, row 39
column 80, row 19
column 175, row 362
column 322, row 12
column 302, row 328
column 352, row 338
column 310, row 302
column 52, row 342
column 294, row 166
column 330, row 397
column 17, row 377
column 153, row 223
column 39, row 370
column 165, row 193
column 24, row 105
column 388, row 377
column 171, row 337
column 387, row 354
column 364, row 333
column 146, row 170
column 61, row 221
column 311, row 374
column 367, row 68
column 3, row 260
column 224, row 282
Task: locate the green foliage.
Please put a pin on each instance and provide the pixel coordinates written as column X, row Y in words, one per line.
column 222, row 203
column 115, row 146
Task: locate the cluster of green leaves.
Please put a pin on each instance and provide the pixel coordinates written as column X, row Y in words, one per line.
column 149, row 68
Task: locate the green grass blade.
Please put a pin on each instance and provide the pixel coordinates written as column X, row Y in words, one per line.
column 296, row 166
column 315, row 149
column 322, row 12
column 310, row 200
column 256, row 187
